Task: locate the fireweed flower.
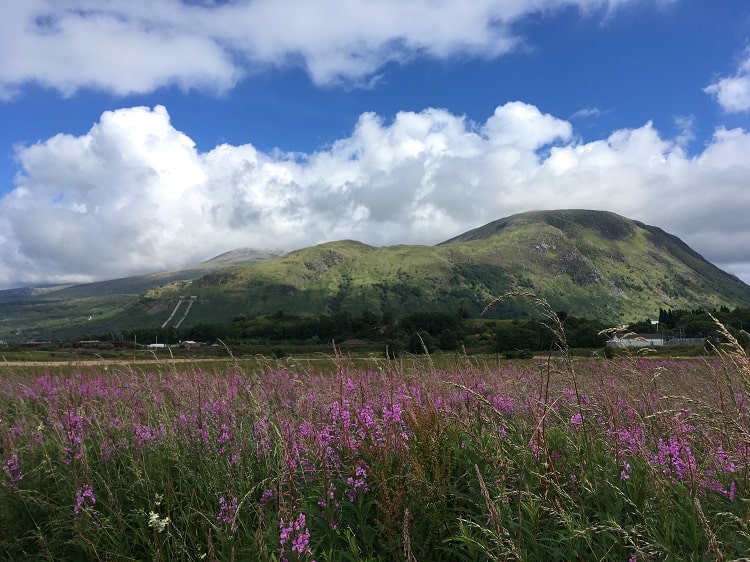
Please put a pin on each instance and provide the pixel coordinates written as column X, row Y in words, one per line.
column 358, row 483
column 85, row 499
column 503, row 404
column 721, row 466
column 268, row 496
column 630, row 439
column 329, row 502
column 109, row 449
column 146, row 434
column 296, row 534
column 13, row 470
column 625, row 472
column 227, row 516
column 224, row 438
column 570, row 395
column 731, row 491
column 366, row 421
column 261, row 434
column 392, row 415
column 674, row 458
column 72, row 424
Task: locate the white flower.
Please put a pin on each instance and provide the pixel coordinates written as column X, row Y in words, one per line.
column 156, row 522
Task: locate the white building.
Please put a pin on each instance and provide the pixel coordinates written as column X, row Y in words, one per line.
column 636, row 340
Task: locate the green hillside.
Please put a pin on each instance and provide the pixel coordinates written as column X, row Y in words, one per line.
column 591, row 264
column 33, row 313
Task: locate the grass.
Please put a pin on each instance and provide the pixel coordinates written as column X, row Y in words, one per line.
column 629, row 459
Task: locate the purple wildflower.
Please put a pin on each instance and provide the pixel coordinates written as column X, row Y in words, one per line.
column 625, row 472
column 268, row 496
column 358, row 483
column 630, row 439
column 146, row 434
column 392, row 414
column 73, row 424
column 227, row 516
column 297, row 534
column 503, row 404
column 13, row 470
column 675, row 459
column 732, row 490
column 85, row 499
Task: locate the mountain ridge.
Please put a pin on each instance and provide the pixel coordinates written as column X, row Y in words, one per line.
column 589, row 263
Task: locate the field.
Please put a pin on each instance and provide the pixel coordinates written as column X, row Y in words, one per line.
column 626, row 459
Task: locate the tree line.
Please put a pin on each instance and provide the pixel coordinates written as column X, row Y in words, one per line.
column 432, row 331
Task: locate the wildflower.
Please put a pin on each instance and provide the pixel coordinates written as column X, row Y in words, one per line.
column 296, row 533
column 73, row 424
column 577, row 420
column 392, row 414
column 146, row 434
column 13, row 469
column 630, row 439
column 84, row 499
column 261, row 434
column 227, row 516
column 503, row 404
column 570, row 395
column 224, row 438
column 109, row 449
column 301, row 544
column 267, row 496
column 625, row 472
column 156, row 522
column 675, row 458
column 357, row 483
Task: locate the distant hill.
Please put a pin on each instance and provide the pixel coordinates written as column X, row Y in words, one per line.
column 63, row 310
column 588, row 263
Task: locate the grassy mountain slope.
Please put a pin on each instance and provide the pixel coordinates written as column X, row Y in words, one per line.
column 603, row 265
column 69, row 310
column 589, row 263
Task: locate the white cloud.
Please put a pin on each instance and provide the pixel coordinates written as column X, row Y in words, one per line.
column 134, row 195
column 137, row 46
column 733, row 93
column 587, row 112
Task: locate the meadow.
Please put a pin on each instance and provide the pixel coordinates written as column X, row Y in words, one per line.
column 626, row 459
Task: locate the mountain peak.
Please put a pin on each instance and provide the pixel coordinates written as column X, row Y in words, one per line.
column 609, row 225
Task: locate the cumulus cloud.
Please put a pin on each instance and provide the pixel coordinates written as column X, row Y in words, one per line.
column 733, row 92
column 134, row 46
column 134, row 194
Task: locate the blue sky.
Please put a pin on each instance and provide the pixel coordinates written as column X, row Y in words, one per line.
column 145, row 135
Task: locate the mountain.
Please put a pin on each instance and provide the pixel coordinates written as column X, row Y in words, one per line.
column 69, row 310
column 594, row 264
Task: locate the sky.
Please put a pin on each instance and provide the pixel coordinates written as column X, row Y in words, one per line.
column 146, row 135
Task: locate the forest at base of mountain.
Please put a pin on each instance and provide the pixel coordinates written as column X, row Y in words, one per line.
column 419, row 333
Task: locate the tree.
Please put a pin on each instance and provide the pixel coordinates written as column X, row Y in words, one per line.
column 420, row 343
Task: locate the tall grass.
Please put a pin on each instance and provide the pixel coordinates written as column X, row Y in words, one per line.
column 628, row 459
